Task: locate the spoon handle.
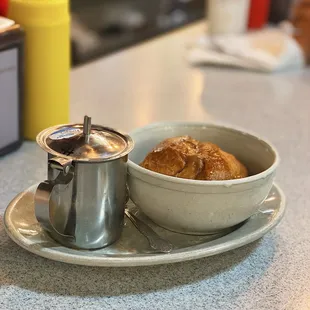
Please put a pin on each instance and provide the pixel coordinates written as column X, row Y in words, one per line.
column 155, row 241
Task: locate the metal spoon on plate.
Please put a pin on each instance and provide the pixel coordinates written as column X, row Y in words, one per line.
column 156, row 242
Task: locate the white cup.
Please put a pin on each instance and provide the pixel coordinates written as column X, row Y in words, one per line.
column 227, row 16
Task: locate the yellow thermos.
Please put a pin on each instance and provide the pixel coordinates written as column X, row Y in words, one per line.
column 47, row 62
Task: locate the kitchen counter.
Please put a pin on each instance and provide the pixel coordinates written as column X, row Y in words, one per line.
column 153, row 82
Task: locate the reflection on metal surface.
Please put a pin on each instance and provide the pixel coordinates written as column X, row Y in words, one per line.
column 81, row 204
column 28, row 232
column 268, row 211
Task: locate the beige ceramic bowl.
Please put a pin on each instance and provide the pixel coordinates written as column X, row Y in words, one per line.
column 201, row 207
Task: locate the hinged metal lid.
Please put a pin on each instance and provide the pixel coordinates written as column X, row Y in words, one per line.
column 85, row 142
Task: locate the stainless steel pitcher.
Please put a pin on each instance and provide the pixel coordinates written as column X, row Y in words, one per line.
column 82, row 203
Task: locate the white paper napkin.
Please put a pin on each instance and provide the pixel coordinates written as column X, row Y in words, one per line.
column 268, row 50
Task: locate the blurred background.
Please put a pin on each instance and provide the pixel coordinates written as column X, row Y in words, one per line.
column 100, row 27
column 44, row 30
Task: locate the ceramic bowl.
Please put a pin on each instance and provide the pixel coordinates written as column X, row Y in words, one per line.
column 201, row 207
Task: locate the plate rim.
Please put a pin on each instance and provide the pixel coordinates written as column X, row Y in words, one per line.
column 144, row 259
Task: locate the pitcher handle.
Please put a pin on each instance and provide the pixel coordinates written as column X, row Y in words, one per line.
column 45, row 190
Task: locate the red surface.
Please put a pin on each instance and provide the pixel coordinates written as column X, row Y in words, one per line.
column 258, row 14
column 4, row 7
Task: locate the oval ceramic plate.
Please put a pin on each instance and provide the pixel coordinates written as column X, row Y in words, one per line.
column 132, row 249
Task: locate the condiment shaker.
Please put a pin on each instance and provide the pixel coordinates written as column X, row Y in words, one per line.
column 47, row 62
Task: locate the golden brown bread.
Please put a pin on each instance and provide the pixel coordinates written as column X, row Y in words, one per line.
column 187, row 158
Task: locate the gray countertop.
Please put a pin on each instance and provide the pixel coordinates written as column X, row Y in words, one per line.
column 149, row 83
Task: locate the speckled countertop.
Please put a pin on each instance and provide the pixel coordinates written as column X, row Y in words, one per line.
column 149, row 83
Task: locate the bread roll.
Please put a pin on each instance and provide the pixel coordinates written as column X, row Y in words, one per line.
column 187, row 158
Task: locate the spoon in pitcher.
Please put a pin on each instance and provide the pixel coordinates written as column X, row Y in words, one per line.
column 156, row 242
